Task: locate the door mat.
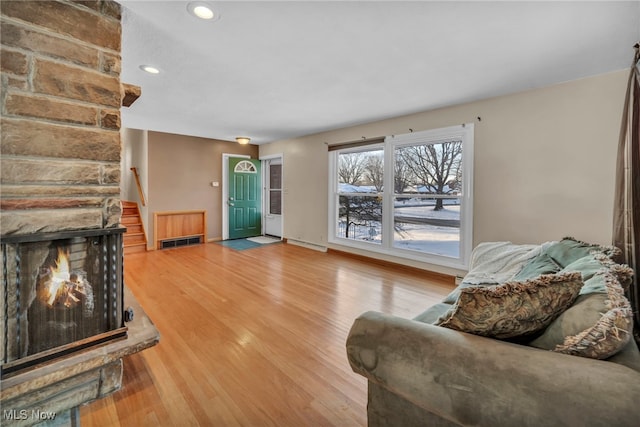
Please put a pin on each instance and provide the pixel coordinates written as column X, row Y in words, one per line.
column 264, row 240
column 249, row 243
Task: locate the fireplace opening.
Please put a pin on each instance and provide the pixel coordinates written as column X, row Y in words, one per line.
column 62, row 292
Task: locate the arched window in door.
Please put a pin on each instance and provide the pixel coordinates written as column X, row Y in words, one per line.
column 245, row 166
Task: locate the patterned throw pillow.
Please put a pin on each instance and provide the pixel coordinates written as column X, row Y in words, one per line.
column 513, row 309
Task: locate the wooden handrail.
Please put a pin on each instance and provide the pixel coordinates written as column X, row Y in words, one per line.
column 140, row 192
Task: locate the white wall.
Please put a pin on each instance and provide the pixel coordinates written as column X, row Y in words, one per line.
column 544, row 164
column 135, row 147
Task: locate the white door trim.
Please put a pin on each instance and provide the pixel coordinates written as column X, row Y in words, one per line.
column 265, row 207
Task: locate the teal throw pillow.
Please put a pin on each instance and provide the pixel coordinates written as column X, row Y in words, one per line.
column 599, row 324
column 569, row 250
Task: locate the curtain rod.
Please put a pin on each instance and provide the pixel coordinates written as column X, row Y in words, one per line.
column 352, row 144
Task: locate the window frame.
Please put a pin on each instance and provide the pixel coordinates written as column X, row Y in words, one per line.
column 378, row 195
column 465, row 133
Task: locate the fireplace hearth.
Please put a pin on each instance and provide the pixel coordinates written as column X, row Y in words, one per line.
column 62, row 293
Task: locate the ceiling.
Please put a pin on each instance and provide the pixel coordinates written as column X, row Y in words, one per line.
column 278, row 70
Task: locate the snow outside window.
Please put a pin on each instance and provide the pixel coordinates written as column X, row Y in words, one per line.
column 409, row 197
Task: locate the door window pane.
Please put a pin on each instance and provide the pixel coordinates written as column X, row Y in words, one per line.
column 275, row 189
column 275, row 177
column 275, row 202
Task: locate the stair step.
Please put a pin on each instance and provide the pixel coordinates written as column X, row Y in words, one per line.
column 130, row 220
column 135, row 238
column 137, row 248
column 135, row 243
column 133, row 229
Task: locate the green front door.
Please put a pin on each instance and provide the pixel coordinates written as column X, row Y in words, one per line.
column 244, row 198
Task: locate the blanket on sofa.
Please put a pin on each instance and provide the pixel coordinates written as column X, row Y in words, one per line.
column 498, row 262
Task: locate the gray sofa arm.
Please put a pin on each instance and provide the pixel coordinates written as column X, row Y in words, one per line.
column 472, row 380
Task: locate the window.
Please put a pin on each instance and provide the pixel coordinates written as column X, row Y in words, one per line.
column 360, row 176
column 245, row 166
column 409, row 196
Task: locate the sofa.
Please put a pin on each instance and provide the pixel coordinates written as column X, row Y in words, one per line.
column 535, row 335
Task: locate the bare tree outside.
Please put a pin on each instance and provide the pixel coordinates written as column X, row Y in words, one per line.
column 351, row 168
column 375, row 171
column 435, row 166
column 402, row 175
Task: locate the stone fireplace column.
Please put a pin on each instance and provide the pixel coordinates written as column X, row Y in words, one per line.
column 60, row 172
column 61, row 96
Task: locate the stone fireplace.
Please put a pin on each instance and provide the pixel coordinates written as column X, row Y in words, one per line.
column 62, row 293
column 63, row 300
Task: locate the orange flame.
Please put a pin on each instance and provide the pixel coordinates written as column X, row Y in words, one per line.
column 60, row 276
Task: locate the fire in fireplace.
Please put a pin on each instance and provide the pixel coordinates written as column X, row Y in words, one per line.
column 62, row 292
column 60, row 286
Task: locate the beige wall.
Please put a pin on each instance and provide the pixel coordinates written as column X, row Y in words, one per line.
column 544, row 164
column 181, row 169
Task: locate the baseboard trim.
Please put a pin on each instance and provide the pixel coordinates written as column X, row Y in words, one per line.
column 386, row 263
column 307, row 245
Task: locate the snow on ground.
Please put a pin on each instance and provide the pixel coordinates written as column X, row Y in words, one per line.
column 426, row 211
column 425, row 238
column 431, row 239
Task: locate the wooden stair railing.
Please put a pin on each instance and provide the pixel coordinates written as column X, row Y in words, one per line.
column 140, row 192
column 135, row 238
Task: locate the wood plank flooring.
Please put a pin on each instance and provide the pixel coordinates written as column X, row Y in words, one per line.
column 254, row 338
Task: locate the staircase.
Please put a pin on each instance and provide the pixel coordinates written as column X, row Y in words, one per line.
column 135, row 239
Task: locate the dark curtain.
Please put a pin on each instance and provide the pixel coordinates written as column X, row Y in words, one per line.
column 626, row 218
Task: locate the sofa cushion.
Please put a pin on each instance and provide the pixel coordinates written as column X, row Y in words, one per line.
column 599, row 324
column 514, row 308
column 433, row 313
column 629, row 356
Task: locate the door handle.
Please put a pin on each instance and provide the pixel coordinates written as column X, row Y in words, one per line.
column 231, row 204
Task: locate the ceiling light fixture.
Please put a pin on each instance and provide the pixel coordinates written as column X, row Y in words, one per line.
column 244, row 140
column 150, row 69
column 203, row 11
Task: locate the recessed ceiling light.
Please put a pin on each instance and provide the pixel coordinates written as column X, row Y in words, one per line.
column 150, row 69
column 203, row 11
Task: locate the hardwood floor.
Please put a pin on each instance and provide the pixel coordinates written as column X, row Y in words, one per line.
column 254, row 338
